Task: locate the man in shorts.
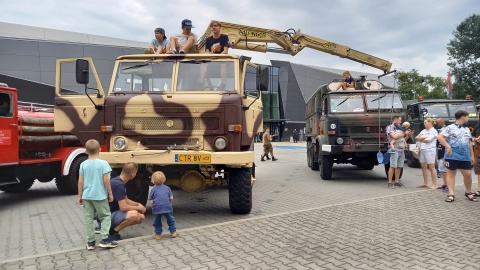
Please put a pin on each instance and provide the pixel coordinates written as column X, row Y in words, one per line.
column 457, row 140
column 125, row 212
column 267, row 145
column 397, row 158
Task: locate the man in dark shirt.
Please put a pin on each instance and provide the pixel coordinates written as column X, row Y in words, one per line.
column 125, row 212
column 217, row 43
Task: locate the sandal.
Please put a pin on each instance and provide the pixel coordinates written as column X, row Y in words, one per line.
column 450, row 198
column 472, row 198
column 477, row 193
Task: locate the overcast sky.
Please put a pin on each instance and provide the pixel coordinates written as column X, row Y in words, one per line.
column 412, row 34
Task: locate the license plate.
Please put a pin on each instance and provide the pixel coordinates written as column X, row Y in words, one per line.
column 193, row 158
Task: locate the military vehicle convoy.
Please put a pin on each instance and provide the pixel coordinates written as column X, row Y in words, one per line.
column 348, row 127
column 418, row 110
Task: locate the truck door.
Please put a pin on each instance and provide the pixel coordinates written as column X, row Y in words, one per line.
column 75, row 111
column 254, row 115
column 8, row 126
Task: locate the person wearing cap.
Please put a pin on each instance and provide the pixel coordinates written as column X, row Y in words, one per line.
column 160, row 44
column 185, row 42
column 217, row 43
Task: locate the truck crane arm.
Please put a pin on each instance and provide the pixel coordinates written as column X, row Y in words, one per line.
column 244, row 37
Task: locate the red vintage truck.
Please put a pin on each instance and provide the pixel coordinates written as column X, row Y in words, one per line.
column 30, row 149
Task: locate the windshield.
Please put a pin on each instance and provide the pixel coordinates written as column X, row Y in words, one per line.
column 346, row 103
column 435, row 110
column 194, row 75
column 383, row 101
column 144, row 76
column 465, row 106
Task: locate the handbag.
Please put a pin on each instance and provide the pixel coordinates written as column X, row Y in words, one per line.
column 416, row 152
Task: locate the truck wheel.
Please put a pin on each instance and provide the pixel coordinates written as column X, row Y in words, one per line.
column 326, row 167
column 68, row 184
column 240, row 190
column 24, row 185
column 412, row 162
column 387, row 167
column 313, row 160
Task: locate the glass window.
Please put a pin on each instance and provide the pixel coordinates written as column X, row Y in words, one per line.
column 435, row 110
column 6, row 105
column 465, row 106
column 197, row 75
column 144, row 76
column 346, row 103
column 383, row 101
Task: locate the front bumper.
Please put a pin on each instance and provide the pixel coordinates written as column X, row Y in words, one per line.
column 180, row 157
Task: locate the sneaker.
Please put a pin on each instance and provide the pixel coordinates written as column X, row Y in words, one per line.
column 91, row 245
column 268, row 158
column 115, row 237
column 181, row 51
column 97, row 230
column 262, row 159
column 107, row 243
column 174, row 234
column 173, row 51
column 390, row 185
column 274, row 159
column 398, row 184
column 158, row 236
column 149, row 51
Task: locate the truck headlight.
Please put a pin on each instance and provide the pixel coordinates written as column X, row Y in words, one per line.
column 220, row 143
column 340, row 140
column 120, row 143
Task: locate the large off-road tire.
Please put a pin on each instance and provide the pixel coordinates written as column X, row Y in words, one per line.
column 313, row 158
column 326, row 167
column 24, row 185
column 68, row 184
column 240, row 190
column 387, row 167
column 412, row 162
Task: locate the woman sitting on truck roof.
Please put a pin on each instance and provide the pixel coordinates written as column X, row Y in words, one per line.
column 349, row 83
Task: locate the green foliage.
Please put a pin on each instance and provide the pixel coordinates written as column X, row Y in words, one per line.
column 464, row 58
column 412, row 85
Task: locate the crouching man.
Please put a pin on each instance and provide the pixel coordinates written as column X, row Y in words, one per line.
column 125, row 212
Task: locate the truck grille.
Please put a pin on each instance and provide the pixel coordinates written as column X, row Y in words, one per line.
column 176, row 123
column 163, row 143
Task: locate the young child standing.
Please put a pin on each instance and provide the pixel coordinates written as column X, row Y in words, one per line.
column 94, row 193
column 161, row 199
column 399, row 130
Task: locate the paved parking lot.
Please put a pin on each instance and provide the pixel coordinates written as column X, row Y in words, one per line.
column 352, row 221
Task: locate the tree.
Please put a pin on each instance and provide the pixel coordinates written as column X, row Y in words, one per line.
column 464, row 58
column 412, row 85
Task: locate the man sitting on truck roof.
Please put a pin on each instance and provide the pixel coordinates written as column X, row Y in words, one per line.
column 185, row 42
column 125, row 212
column 160, row 44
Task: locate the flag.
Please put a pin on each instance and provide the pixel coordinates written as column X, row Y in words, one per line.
column 449, row 81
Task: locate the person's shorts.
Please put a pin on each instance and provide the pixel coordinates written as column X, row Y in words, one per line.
column 428, row 155
column 476, row 165
column 458, row 164
column 397, row 159
column 117, row 218
column 441, row 165
column 267, row 148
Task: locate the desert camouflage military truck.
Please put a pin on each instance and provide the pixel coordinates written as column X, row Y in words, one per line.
column 349, row 126
column 191, row 116
column 418, row 110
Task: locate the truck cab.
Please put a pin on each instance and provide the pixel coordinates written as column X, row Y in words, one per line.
column 418, row 110
column 194, row 117
column 349, row 126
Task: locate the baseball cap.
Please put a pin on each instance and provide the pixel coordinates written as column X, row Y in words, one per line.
column 159, row 30
column 187, row 24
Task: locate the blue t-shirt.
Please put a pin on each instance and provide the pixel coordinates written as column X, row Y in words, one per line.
column 119, row 193
column 458, row 138
column 164, row 44
column 92, row 171
column 160, row 194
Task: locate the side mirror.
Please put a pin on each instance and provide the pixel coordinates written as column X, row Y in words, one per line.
column 82, row 71
column 263, row 78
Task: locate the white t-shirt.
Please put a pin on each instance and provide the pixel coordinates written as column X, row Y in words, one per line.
column 431, row 135
column 182, row 40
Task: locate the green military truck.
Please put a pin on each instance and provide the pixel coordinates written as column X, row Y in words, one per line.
column 193, row 117
column 348, row 127
column 418, row 110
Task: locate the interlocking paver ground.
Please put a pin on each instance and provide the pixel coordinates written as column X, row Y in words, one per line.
column 403, row 231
